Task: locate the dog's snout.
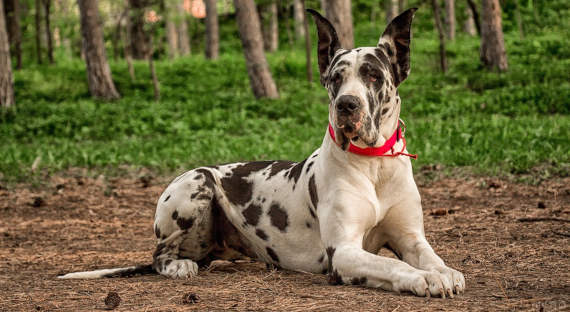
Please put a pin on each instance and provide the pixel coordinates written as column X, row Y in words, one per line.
column 347, row 104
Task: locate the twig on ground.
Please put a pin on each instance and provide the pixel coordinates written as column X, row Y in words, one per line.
column 542, row 219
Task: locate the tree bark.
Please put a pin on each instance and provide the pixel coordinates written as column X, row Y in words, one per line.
column 391, row 10
column 138, row 41
column 299, row 17
column 184, row 47
column 324, row 5
column 98, row 72
column 493, row 53
column 437, row 17
column 469, row 24
column 260, row 77
column 212, row 33
column 339, row 13
column 6, row 86
column 171, row 32
column 402, row 6
column 450, row 19
column 49, row 36
column 308, row 51
column 38, row 20
column 475, row 14
column 12, row 10
column 270, row 27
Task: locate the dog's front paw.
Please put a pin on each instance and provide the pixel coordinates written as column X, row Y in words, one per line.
column 182, row 268
column 454, row 281
column 443, row 282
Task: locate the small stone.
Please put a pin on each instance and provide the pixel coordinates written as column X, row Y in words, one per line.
column 541, row 205
column 112, row 300
column 190, row 298
column 38, row 201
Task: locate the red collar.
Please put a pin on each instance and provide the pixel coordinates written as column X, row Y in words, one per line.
column 381, row 150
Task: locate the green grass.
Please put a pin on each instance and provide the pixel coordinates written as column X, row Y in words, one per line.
column 493, row 123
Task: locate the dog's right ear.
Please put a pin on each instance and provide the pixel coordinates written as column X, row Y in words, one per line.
column 328, row 41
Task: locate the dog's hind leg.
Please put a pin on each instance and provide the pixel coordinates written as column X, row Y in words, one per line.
column 184, row 224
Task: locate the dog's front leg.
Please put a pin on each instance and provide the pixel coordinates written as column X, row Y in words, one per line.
column 403, row 226
column 342, row 231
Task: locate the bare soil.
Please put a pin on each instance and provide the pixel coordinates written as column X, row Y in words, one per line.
column 510, row 240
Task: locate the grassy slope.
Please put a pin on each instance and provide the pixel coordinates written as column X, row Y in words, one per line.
column 495, row 123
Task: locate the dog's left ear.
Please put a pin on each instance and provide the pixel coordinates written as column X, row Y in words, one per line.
column 328, row 42
column 396, row 42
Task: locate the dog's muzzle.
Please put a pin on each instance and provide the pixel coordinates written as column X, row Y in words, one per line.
column 348, row 109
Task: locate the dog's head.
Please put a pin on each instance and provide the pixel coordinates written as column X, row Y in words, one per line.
column 362, row 83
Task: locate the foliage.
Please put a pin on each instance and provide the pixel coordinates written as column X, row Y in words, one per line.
column 494, row 123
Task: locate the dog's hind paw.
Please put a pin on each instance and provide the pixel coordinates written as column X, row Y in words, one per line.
column 181, row 268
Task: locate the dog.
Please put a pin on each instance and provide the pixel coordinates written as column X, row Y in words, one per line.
column 330, row 213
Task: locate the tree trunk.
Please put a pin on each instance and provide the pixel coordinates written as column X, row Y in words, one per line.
column 324, row 5
column 437, row 17
column 260, row 78
column 6, row 86
column 98, row 72
column 391, row 10
column 270, row 27
column 299, row 17
column 49, row 36
column 138, row 42
column 339, row 13
column 184, row 47
column 519, row 19
column 117, row 35
column 450, row 19
column 402, row 6
column 469, row 25
column 12, row 10
column 493, row 53
column 38, row 19
column 212, row 33
column 475, row 14
column 307, row 44
column 153, row 76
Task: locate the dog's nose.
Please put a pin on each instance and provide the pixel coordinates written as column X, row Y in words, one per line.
column 347, row 104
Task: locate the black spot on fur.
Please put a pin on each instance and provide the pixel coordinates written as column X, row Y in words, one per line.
column 343, row 63
column 338, row 57
column 167, row 262
column 296, row 171
column 322, row 258
column 279, row 166
column 308, row 225
column 204, row 197
column 261, row 234
column 175, row 215
column 198, row 177
column 387, row 99
column 385, row 110
column 313, row 192
column 371, row 102
column 272, row 254
column 252, row 214
column 359, row 281
column 159, row 250
column 238, row 189
column 330, row 253
column 167, row 198
column 185, row 223
column 312, row 212
column 156, row 231
column 278, row 217
column 194, row 195
column 335, row 278
column 309, row 167
column 315, row 155
column 209, row 181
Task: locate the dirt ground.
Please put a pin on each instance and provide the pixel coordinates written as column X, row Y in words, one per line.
column 510, row 240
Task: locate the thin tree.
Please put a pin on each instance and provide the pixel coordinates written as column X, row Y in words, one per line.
column 299, row 17
column 212, row 33
column 171, row 32
column 469, row 24
column 260, row 77
column 391, row 9
column 49, row 36
column 184, row 46
column 138, row 41
column 339, row 13
column 437, row 17
column 38, row 20
column 309, row 67
column 475, row 14
column 6, row 86
column 519, row 19
column 12, row 9
column 450, row 19
column 493, row 53
column 269, row 26
column 98, row 72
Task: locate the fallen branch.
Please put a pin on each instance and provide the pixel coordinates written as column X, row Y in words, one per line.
column 542, row 219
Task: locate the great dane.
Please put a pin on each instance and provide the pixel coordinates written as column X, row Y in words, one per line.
column 331, row 212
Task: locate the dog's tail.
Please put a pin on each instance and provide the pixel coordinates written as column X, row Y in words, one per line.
column 117, row 272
